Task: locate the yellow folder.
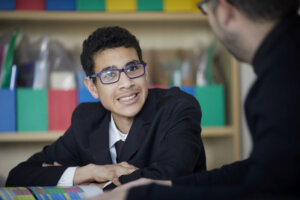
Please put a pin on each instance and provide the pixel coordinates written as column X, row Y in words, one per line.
column 180, row 5
column 121, row 5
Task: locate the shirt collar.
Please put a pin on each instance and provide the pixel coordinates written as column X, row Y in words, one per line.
column 114, row 133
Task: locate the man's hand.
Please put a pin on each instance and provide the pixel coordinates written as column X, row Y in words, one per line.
column 143, row 181
column 120, row 193
column 102, row 173
column 113, row 195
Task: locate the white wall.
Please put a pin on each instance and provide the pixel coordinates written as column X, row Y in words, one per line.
column 247, row 77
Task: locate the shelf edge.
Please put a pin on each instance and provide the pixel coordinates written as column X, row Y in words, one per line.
column 100, row 16
column 51, row 136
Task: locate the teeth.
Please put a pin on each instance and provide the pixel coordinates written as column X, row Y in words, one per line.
column 127, row 98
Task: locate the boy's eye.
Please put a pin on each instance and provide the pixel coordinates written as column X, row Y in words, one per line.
column 132, row 67
column 109, row 74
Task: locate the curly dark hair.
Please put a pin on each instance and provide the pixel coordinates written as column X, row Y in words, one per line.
column 106, row 38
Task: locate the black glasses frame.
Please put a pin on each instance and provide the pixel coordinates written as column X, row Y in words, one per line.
column 120, row 71
column 201, row 6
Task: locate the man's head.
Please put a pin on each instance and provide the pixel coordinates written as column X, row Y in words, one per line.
column 241, row 25
column 112, row 60
column 263, row 10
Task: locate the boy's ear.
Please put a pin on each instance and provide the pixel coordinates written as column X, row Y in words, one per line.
column 146, row 72
column 89, row 84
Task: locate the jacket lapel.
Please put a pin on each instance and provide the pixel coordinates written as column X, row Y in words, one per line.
column 99, row 142
column 139, row 129
column 134, row 140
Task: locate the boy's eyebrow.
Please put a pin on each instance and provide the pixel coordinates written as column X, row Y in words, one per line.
column 115, row 67
column 108, row 68
column 132, row 62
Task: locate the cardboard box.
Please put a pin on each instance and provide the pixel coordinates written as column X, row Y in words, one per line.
column 7, row 4
column 211, row 99
column 32, row 110
column 121, row 5
column 61, row 104
column 85, row 96
column 30, row 4
column 60, row 4
column 180, row 5
column 149, row 5
column 8, row 110
column 89, row 5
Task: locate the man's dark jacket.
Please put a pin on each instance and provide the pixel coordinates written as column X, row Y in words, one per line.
column 164, row 142
column 272, row 107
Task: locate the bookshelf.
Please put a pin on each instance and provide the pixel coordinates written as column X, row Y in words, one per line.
column 51, row 136
column 155, row 30
column 100, row 16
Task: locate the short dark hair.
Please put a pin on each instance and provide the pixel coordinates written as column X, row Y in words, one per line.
column 106, row 38
column 266, row 10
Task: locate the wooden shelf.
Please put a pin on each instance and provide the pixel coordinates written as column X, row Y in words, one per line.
column 51, row 136
column 211, row 132
column 29, row 136
column 100, row 16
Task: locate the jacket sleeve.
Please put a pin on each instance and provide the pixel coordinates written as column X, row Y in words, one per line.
column 228, row 175
column 31, row 172
column 180, row 148
column 159, row 192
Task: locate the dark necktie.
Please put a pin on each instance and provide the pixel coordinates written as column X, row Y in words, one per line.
column 119, row 146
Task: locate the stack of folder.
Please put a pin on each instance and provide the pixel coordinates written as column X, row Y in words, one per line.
column 102, row 5
column 49, row 192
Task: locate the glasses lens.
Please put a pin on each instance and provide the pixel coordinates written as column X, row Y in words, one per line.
column 135, row 70
column 204, row 8
column 109, row 76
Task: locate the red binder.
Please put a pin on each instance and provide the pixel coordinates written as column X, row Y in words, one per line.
column 61, row 104
column 30, row 4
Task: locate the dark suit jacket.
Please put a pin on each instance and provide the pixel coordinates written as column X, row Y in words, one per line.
column 164, row 142
column 272, row 171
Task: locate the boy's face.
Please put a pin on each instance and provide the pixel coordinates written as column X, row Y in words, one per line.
column 126, row 97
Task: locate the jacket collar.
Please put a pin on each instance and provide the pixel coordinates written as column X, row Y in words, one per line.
column 99, row 138
column 139, row 129
column 271, row 41
column 99, row 142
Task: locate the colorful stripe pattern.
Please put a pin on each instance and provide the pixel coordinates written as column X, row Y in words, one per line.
column 15, row 193
column 42, row 193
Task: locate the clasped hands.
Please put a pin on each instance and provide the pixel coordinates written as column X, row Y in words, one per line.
column 99, row 175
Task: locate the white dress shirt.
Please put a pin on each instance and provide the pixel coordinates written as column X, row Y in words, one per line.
column 114, row 135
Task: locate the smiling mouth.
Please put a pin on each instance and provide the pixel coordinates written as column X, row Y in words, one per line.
column 129, row 99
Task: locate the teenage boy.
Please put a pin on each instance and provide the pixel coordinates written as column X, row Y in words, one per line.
column 133, row 132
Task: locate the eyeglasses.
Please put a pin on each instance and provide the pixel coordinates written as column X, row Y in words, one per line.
column 132, row 71
column 202, row 5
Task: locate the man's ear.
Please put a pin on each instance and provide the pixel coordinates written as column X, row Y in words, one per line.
column 89, row 84
column 225, row 12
